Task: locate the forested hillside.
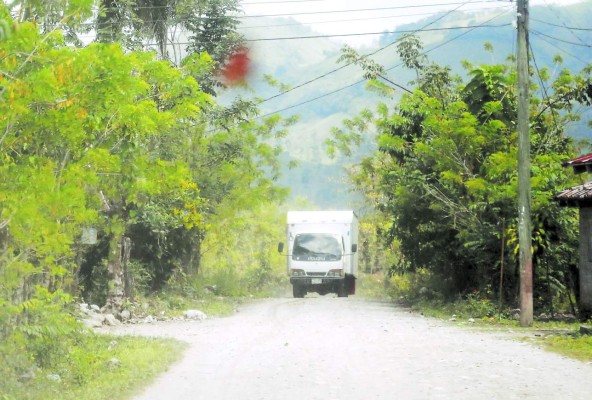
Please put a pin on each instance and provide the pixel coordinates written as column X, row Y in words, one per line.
column 338, row 91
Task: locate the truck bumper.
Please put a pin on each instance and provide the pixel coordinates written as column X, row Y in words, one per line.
column 307, row 281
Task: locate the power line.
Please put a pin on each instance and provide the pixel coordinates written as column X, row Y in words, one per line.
column 369, row 9
column 360, row 81
column 238, row 17
column 375, row 33
column 560, row 48
column 348, row 20
column 453, row 39
column 544, row 88
column 557, row 15
column 562, row 26
column 319, row 12
column 353, row 34
column 313, row 99
column 561, row 40
column 205, row 17
column 350, row 63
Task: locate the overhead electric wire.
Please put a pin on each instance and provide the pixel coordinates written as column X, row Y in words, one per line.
column 335, row 21
column 544, row 88
column 431, row 5
column 324, row 36
column 452, row 39
column 360, row 81
column 557, row 14
column 561, row 49
column 350, row 63
column 372, row 33
column 573, row 28
column 313, row 99
column 369, row 9
column 561, row 40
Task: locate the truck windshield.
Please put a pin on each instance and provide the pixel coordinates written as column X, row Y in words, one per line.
column 317, row 247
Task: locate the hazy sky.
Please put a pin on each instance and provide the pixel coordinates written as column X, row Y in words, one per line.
column 337, row 17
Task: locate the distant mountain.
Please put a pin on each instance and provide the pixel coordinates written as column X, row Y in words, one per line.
column 331, row 93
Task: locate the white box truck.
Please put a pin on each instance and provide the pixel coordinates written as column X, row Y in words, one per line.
column 322, row 252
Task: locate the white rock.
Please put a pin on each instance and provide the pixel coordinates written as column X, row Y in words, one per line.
column 54, row 377
column 195, row 314
column 94, row 307
column 113, row 363
column 94, row 320
column 125, row 315
column 111, row 320
column 149, row 319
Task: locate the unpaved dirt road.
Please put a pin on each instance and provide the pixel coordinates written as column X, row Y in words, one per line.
column 354, row 349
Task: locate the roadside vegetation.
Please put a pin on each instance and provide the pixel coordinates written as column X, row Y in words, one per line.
column 557, row 330
column 124, row 185
column 84, row 366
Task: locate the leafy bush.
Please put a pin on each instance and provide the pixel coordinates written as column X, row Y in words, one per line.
column 86, row 371
column 413, row 286
column 478, row 305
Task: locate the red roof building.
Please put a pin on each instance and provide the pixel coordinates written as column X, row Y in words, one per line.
column 581, row 196
column 580, row 164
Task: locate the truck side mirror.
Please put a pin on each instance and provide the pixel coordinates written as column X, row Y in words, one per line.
column 354, row 248
column 280, row 247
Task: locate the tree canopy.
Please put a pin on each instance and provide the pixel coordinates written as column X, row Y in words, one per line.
column 116, row 164
column 444, row 176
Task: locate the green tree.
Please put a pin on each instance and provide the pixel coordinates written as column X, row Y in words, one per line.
column 446, row 173
column 208, row 26
column 69, row 16
column 73, row 147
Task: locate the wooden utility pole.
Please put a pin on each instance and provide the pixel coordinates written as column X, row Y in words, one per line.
column 524, row 219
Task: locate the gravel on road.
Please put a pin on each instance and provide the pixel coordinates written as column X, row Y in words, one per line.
column 331, row 348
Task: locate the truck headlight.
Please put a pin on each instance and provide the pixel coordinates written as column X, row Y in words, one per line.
column 297, row 272
column 335, row 273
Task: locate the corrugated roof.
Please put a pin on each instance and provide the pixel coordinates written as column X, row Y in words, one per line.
column 585, row 159
column 576, row 196
column 581, row 164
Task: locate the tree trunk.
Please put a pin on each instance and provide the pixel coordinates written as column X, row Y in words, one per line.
column 119, row 252
column 192, row 257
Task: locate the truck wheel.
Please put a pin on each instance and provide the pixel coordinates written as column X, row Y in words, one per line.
column 342, row 289
column 298, row 291
column 351, row 285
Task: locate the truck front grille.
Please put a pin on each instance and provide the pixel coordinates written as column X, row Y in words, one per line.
column 316, row 274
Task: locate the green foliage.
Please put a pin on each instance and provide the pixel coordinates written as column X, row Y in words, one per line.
column 66, row 15
column 579, row 347
column 209, row 26
column 240, row 253
column 444, row 178
column 371, row 286
column 133, row 147
column 87, row 370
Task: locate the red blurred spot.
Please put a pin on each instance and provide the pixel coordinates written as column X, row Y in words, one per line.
column 237, row 67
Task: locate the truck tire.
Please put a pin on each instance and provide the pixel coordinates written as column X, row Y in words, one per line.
column 342, row 289
column 298, row 291
column 351, row 284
